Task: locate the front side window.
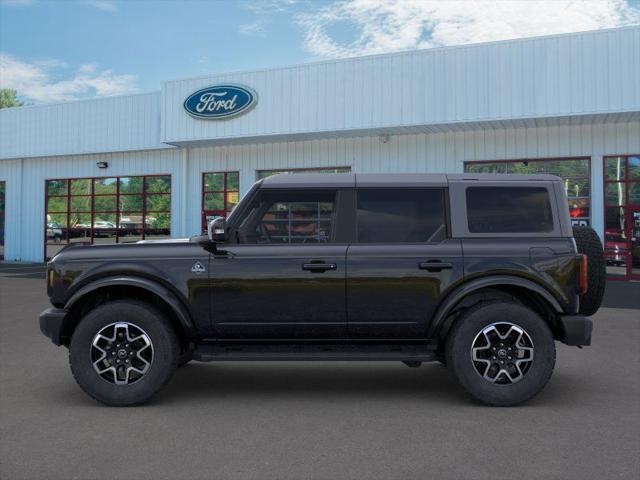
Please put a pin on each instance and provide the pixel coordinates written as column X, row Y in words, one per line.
column 401, row 215
column 509, row 210
column 289, row 218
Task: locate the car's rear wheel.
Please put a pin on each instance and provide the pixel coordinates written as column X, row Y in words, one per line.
column 502, row 353
column 123, row 352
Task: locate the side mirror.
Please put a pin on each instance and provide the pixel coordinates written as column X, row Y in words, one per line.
column 216, row 230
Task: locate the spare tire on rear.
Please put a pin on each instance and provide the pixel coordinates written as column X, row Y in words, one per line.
column 589, row 244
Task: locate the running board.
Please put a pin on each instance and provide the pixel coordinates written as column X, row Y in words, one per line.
column 233, row 351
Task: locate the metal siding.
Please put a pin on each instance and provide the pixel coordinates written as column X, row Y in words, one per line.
column 25, row 228
column 89, row 126
column 557, row 76
column 422, row 152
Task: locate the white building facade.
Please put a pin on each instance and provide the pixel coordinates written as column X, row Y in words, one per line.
column 143, row 166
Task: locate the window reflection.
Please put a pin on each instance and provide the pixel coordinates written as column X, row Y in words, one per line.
column 106, row 210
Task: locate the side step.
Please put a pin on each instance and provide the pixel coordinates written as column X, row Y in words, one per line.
column 301, row 351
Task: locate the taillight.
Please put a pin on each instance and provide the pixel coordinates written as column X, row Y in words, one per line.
column 583, row 274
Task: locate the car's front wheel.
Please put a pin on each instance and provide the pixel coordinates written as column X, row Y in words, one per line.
column 502, row 353
column 123, row 352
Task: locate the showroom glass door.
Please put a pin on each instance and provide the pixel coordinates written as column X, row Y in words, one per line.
column 622, row 216
column 2, row 209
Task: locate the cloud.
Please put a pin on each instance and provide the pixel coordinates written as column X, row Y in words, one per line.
column 388, row 25
column 252, row 29
column 269, row 6
column 104, row 5
column 36, row 81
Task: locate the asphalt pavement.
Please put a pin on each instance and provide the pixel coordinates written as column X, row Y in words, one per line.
column 317, row 420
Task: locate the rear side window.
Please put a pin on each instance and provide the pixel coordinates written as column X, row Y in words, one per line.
column 401, row 215
column 509, row 210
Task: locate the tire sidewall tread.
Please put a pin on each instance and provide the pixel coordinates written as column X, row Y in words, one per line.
column 463, row 333
column 166, row 352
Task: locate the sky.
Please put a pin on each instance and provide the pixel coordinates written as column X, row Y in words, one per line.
column 59, row 50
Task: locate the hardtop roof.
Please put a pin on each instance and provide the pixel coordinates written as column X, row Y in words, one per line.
column 347, row 180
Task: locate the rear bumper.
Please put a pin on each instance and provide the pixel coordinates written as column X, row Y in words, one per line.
column 52, row 322
column 575, row 330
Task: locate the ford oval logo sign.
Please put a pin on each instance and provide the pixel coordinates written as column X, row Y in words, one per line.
column 220, row 101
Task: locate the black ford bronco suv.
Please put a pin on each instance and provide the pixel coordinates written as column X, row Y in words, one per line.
column 480, row 272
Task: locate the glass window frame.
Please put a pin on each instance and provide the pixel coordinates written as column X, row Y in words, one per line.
column 225, row 211
column 92, row 212
column 526, row 161
column 3, row 209
column 627, row 209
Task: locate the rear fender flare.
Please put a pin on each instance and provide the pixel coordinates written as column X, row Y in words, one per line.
column 178, row 308
column 441, row 324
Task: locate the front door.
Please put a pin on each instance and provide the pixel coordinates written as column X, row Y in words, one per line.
column 401, row 262
column 285, row 276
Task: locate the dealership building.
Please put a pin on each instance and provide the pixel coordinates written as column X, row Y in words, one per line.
column 152, row 165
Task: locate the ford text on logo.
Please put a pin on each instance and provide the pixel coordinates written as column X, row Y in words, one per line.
column 220, row 101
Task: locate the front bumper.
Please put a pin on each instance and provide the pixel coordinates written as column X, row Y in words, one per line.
column 52, row 323
column 575, row 330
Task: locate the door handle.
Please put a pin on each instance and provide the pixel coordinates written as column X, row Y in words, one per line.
column 434, row 266
column 319, row 267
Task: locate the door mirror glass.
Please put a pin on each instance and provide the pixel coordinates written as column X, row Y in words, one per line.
column 216, row 230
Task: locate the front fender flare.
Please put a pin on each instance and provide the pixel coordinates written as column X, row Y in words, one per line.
column 178, row 308
column 439, row 323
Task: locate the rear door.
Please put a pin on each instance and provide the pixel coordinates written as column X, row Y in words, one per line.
column 401, row 262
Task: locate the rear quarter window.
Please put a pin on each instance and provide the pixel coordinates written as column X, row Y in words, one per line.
column 509, row 210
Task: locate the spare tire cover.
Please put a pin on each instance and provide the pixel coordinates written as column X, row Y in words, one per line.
column 589, row 244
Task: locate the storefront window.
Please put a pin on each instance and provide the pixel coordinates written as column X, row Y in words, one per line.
column 622, row 216
column 575, row 172
column 107, row 210
column 268, row 173
column 2, row 210
column 220, row 195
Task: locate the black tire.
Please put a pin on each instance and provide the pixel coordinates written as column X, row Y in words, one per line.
column 589, row 244
column 469, row 326
column 165, row 352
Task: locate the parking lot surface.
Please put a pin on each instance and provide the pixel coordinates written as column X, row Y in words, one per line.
column 317, row 420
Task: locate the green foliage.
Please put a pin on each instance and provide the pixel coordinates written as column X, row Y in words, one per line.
column 8, row 98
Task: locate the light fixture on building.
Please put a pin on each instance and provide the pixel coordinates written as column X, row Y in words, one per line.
column 384, row 138
column 102, row 164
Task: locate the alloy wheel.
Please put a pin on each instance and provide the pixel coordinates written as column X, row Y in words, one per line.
column 121, row 353
column 502, row 353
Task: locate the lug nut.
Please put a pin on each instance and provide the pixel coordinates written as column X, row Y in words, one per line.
column 113, row 353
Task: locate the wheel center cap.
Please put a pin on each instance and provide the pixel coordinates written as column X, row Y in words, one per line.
column 122, row 353
column 502, row 353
